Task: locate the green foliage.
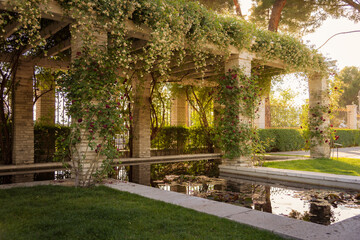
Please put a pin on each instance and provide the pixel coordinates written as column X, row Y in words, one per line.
column 201, row 101
column 184, row 139
column 350, row 79
column 298, row 16
column 282, row 139
column 55, row 212
column 47, row 140
column 347, row 137
column 343, row 166
column 318, row 131
column 239, row 94
column 283, row 112
column 171, row 137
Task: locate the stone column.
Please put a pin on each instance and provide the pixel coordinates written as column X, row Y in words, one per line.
column 259, row 121
column 318, row 96
column 351, row 116
column 141, row 130
column 242, row 61
column 45, row 108
column 179, row 111
column 23, row 123
column 86, row 161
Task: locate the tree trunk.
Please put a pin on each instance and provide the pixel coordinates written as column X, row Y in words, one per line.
column 354, row 4
column 237, row 8
column 273, row 26
column 276, row 15
column 267, row 111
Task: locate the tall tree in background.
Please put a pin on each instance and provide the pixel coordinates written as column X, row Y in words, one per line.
column 299, row 17
column 350, row 79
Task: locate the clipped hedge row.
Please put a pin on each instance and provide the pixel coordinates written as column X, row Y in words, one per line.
column 279, row 140
column 348, row 137
column 183, row 139
column 46, row 139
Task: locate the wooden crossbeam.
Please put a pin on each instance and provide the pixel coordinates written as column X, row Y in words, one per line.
column 62, row 46
column 10, row 29
column 204, row 75
column 48, row 32
column 53, row 64
column 52, row 10
column 134, row 31
column 191, row 66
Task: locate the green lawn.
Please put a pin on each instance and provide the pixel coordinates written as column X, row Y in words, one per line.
column 344, row 166
column 53, row 212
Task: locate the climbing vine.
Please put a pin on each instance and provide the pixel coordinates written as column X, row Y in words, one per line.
column 317, row 131
column 239, row 98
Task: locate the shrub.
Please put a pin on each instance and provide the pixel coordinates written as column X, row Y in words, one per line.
column 46, row 141
column 283, row 139
column 184, row 139
column 348, row 137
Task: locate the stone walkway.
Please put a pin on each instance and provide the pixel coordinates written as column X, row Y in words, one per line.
column 351, row 152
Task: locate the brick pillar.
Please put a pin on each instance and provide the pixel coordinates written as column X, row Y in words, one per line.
column 141, row 131
column 45, row 108
column 23, row 124
column 179, row 110
column 242, row 61
column 259, row 121
column 351, row 116
column 85, row 161
column 318, row 96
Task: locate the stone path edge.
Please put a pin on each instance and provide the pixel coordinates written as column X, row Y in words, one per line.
column 280, row 225
column 313, row 178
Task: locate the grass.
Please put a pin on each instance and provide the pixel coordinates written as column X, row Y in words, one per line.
column 54, row 212
column 343, row 166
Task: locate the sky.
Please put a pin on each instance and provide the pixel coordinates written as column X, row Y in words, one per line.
column 345, row 49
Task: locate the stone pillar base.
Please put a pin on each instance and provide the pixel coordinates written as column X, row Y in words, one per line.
column 141, row 174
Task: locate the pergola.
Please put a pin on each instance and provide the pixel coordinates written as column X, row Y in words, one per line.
column 59, row 26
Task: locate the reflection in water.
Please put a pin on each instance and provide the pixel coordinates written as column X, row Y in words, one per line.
column 316, row 205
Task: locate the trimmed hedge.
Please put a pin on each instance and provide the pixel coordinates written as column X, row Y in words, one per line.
column 348, row 137
column 46, row 139
column 183, row 139
column 282, row 139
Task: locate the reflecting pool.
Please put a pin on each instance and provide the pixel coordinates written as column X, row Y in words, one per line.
column 322, row 206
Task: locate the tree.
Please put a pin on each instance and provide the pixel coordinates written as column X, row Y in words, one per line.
column 283, row 111
column 350, row 77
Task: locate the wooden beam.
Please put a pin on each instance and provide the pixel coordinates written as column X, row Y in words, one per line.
column 191, row 66
column 204, row 75
column 53, row 64
column 10, row 29
column 135, row 31
column 62, row 46
column 48, row 32
column 52, row 10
